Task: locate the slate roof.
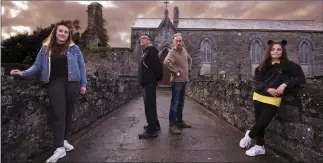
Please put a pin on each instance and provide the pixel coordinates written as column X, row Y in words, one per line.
column 246, row 24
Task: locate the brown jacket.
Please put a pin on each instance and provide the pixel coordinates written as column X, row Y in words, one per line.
column 178, row 61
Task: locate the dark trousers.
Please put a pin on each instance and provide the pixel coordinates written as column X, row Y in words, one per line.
column 264, row 114
column 62, row 98
column 177, row 103
column 151, row 107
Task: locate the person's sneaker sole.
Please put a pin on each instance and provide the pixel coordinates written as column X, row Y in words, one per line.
column 185, row 126
column 251, row 155
column 175, row 133
column 147, row 137
column 145, row 128
column 68, row 150
column 57, row 159
column 63, row 155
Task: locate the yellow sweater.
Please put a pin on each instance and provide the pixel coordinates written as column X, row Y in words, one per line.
column 276, row 101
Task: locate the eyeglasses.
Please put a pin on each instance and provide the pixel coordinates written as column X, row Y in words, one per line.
column 144, row 38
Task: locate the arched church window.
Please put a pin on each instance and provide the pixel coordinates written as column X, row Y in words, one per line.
column 257, row 53
column 305, row 55
column 206, row 50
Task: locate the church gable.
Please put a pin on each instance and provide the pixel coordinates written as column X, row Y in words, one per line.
column 164, row 34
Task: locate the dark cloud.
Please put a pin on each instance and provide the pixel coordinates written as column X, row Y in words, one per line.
column 120, row 18
column 286, row 10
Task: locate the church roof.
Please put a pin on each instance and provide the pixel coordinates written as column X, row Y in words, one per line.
column 231, row 24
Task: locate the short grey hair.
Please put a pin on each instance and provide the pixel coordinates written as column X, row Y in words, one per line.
column 147, row 35
column 177, row 34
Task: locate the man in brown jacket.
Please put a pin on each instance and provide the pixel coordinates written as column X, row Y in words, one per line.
column 179, row 62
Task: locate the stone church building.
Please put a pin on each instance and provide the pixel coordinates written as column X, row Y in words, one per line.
column 233, row 46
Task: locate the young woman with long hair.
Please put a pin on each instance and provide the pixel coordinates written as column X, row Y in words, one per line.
column 63, row 71
column 275, row 77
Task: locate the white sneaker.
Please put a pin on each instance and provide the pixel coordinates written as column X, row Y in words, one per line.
column 68, row 146
column 245, row 142
column 58, row 153
column 256, row 150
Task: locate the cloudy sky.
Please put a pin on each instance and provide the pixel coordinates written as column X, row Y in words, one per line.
column 22, row 16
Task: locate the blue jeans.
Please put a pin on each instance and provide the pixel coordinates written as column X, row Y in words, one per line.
column 177, row 103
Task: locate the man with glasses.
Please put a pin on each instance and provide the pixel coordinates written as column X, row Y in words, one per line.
column 179, row 62
column 150, row 72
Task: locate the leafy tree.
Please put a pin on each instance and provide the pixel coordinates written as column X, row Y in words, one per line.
column 23, row 48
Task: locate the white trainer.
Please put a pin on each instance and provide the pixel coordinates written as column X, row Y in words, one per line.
column 256, row 150
column 58, row 153
column 68, row 146
column 245, row 142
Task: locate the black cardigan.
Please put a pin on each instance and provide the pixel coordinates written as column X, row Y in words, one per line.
column 274, row 75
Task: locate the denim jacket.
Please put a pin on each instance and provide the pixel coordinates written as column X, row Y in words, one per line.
column 75, row 61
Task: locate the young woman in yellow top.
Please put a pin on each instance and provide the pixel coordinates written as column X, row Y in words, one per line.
column 275, row 77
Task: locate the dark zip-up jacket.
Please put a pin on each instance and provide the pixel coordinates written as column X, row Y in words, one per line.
column 273, row 76
column 150, row 67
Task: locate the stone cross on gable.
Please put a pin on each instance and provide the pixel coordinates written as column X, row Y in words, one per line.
column 166, row 11
column 166, row 2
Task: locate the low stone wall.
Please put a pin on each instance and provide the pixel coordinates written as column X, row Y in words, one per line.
column 296, row 132
column 25, row 129
column 26, row 126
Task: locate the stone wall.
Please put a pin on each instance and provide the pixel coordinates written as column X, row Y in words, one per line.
column 296, row 132
column 113, row 62
column 25, row 130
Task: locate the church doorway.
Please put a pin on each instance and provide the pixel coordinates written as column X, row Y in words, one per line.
column 165, row 82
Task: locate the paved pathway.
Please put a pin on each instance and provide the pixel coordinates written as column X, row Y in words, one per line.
column 114, row 138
